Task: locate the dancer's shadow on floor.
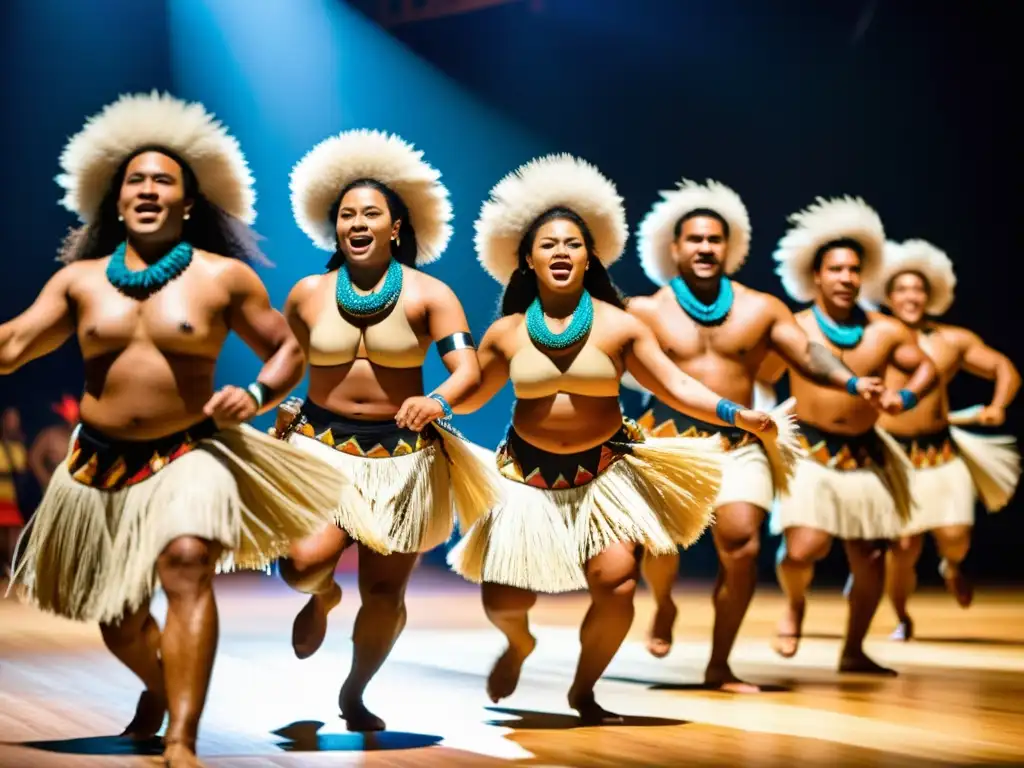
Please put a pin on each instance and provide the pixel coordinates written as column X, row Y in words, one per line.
column 305, row 736
column 657, row 685
column 110, row 746
column 529, row 720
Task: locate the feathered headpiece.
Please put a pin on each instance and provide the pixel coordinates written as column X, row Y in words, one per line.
column 318, row 178
column 845, row 218
column 926, row 260
column 657, row 230
column 553, row 181
column 93, row 155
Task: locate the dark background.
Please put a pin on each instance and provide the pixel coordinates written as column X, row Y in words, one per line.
column 909, row 105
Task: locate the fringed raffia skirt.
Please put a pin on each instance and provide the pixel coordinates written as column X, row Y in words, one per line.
column 753, row 467
column 114, row 505
column 415, row 484
column 560, row 510
column 952, row 468
column 850, row 486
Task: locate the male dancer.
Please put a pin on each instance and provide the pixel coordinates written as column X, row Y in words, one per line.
column 160, row 484
column 853, row 485
column 951, row 467
column 719, row 332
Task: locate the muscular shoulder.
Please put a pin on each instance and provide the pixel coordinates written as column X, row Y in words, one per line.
column 889, row 328
column 234, row 274
column 617, row 320
column 959, row 337
column 501, row 333
column 649, row 308
column 759, row 301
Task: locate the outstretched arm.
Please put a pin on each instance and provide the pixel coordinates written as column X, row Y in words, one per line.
column 814, row 361
column 493, row 369
column 654, row 371
column 983, row 361
column 41, row 328
column 266, row 332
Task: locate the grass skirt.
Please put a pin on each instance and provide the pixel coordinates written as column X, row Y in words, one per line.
column 90, row 554
column 658, row 494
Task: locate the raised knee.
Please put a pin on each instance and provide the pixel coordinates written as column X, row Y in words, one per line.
column 614, row 589
column 186, row 564
column 740, row 549
column 955, row 547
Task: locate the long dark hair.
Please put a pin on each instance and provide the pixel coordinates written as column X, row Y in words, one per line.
column 208, row 227
column 522, row 288
column 405, row 252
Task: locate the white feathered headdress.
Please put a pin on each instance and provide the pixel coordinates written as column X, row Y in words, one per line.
column 657, row 230
column 318, row 178
column 553, row 181
column 926, row 260
column 93, row 155
column 820, row 223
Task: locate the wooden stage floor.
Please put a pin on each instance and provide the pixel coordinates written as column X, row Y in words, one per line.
column 959, row 699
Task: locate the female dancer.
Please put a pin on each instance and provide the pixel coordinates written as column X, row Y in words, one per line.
column 366, row 325
column 583, row 493
column 159, row 484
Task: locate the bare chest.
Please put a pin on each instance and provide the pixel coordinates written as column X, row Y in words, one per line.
column 741, row 338
column 868, row 358
column 184, row 316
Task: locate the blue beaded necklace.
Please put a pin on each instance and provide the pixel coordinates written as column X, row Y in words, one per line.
column 366, row 305
column 580, row 325
column 843, row 336
column 705, row 314
column 151, row 279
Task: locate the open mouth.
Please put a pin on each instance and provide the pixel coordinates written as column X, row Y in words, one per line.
column 359, row 244
column 561, row 272
column 148, row 209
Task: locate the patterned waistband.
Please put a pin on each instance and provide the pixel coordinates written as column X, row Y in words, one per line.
column 382, row 439
column 662, row 421
column 107, row 463
column 932, row 449
column 842, row 452
column 525, row 463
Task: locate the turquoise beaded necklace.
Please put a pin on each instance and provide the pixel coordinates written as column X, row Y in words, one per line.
column 843, row 336
column 580, row 325
column 143, row 282
column 705, row 314
column 366, row 305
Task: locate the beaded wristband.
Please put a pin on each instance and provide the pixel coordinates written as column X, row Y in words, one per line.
column 909, row 399
column 851, row 385
column 448, row 413
column 726, row 410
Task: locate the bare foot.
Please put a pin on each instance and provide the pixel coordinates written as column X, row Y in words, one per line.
column 723, row 679
column 859, row 663
column 787, row 633
column 310, row 626
column 149, row 717
column 904, row 631
column 504, row 676
column 177, row 754
column 956, row 583
column 592, row 713
column 659, row 642
column 357, row 717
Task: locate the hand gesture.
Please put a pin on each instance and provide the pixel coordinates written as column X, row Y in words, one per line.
column 757, row 422
column 230, row 406
column 992, row 415
column 417, row 412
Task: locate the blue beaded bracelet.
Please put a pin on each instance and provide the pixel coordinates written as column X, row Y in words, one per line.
column 851, row 385
column 726, row 410
column 448, row 413
column 909, row 399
